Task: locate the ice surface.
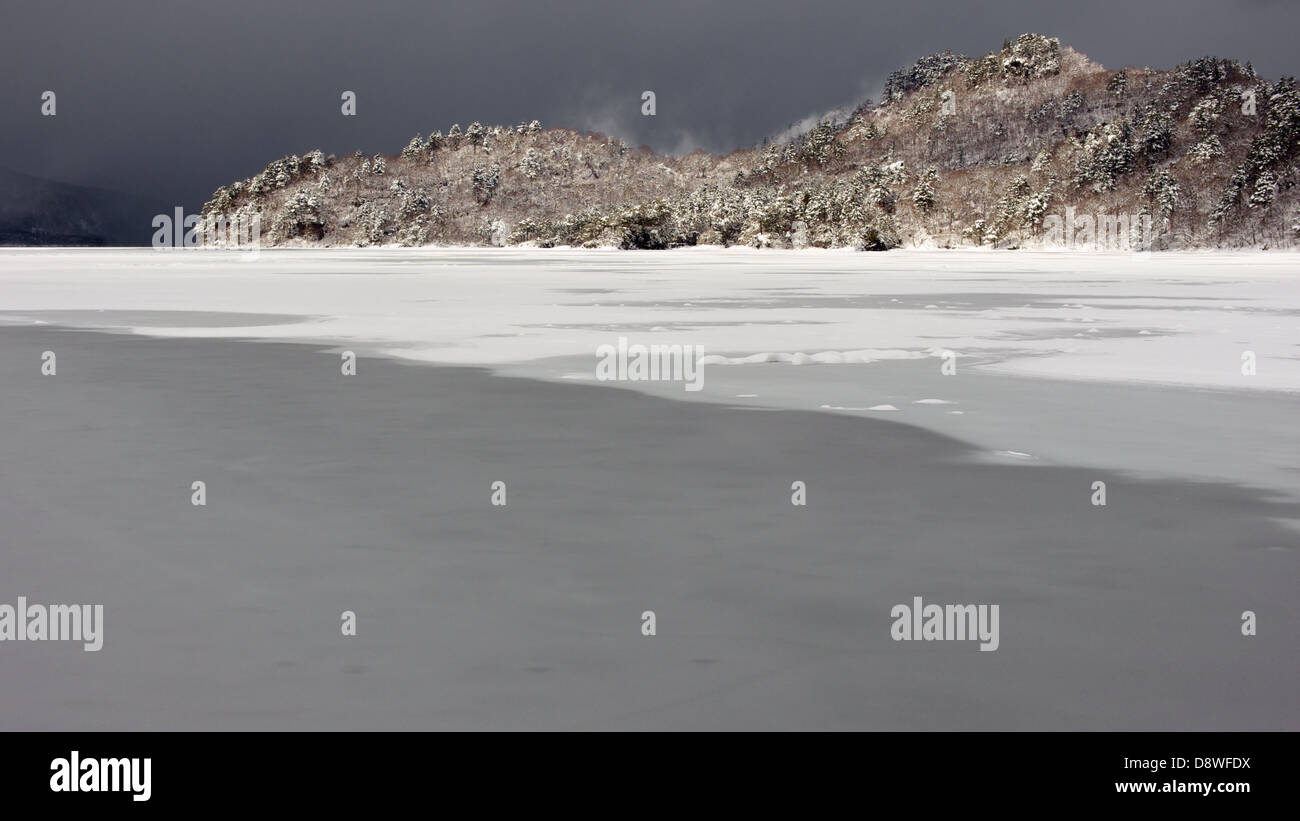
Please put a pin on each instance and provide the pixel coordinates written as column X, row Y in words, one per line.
column 1171, row 318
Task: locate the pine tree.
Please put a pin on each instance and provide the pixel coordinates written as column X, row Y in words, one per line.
column 923, row 196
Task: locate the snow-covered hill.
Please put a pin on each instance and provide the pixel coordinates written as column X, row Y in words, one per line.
column 1033, row 145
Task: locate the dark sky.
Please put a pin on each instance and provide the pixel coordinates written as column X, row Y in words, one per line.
column 175, row 98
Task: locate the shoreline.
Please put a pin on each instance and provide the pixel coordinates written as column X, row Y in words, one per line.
column 1245, row 439
column 687, row 249
column 1239, row 436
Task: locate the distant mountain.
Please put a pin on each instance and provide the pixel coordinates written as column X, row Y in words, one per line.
column 1028, row 146
column 35, row 211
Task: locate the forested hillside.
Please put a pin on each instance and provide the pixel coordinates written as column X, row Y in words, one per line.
column 1017, row 148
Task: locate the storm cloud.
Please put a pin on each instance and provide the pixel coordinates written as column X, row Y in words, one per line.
column 172, row 99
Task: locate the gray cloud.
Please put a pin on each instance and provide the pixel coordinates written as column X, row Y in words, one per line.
column 174, row 99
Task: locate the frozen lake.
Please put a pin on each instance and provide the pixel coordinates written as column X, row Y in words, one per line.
column 1108, row 360
column 370, row 493
column 1168, row 318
